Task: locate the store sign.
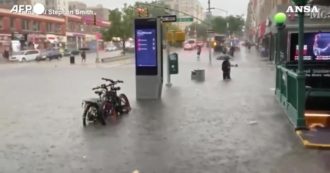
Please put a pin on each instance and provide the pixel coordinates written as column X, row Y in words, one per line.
column 322, row 14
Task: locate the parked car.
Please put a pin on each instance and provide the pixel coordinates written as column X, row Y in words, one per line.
column 189, row 45
column 200, row 43
column 67, row 52
column 22, row 56
column 49, row 55
column 111, row 48
column 220, row 44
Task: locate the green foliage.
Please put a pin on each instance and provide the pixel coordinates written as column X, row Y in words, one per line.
column 235, row 24
column 155, row 9
column 201, row 30
column 116, row 24
column 121, row 24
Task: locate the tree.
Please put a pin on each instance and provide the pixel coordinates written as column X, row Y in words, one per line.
column 201, row 30
column 235, row 24
column 121, row 25
column 155, row 9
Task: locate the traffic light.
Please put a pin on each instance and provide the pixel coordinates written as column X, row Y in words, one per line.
column 94, row 19
column 147, row 12
column 140, row 11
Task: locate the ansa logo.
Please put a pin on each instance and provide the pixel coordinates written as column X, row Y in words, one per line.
column 302, row 9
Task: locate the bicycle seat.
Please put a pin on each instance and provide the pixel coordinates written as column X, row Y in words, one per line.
column 98, row 92
column 116, row 88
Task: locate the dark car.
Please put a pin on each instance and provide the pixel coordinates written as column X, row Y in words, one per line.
column 220, row 45
column 67, row 52
column 49, row 55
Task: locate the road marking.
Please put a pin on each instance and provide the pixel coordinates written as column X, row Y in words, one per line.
column 136, row 171
column 272, row 89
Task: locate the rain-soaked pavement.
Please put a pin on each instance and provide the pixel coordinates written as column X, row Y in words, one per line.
column 208, row 127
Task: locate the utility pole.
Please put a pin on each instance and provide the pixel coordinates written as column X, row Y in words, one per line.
column 209, row 35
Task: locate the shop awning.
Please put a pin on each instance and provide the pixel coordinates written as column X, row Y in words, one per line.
column 262, row 29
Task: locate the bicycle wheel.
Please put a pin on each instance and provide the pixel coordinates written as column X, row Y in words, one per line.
column 124, row 103
column 109, row 110
column 89, row 115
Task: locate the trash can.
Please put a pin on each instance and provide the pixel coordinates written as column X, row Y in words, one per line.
column 71, row 59
column 198, row 75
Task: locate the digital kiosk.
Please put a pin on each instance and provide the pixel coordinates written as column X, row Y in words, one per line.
column 148, row 58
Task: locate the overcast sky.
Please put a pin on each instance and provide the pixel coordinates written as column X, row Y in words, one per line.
column 234, row 7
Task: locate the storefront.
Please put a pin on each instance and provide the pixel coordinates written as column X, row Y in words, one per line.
column 37, row 41
column 56, row 41
column 5, row 40
column 90, row 41
column 75, row 40
column 314, row 22
column 18, row 41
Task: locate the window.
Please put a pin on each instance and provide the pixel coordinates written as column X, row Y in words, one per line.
column 36, row 26
column 57, row 28
column 28, row 52
column 12, row 23
column 50, row 27
column 25, row 24
column 1, row 22
column 31, row 52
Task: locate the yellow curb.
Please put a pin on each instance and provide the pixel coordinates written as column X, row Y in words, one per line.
column 308, row 144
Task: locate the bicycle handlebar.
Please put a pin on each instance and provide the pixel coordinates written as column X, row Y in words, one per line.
column 96, row 88
column 108, row 80
column 112, row 81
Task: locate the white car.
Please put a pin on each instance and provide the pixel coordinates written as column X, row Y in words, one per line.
column 189, row 45
column 27, row 55
column 111, row 48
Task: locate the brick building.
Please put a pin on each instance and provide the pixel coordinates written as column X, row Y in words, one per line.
column 258, row 17
column 29, row 29
column 41, row 31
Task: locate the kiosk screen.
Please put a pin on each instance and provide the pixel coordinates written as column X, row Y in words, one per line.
column 316, row 47
column 146, row 47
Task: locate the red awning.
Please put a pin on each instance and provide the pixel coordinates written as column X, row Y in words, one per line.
column 262, row 29
column 99, row 36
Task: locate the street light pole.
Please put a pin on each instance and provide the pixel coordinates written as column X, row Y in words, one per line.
column 280, row 19
column 210, row 27
column 97, row 60
column 301, row 74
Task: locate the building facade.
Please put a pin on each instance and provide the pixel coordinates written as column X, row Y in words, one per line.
column 57, row 5
column 73, row 5
column 101, row 12
column 29, row 29
column 45, row 31
column 190, row 7
column 8, row 4
column 258, row 17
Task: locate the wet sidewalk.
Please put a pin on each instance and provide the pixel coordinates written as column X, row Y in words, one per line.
column 211, row 126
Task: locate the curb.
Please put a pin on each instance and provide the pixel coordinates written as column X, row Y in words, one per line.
column 116, row 58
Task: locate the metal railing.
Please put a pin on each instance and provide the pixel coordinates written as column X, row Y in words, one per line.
column 287, row 83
